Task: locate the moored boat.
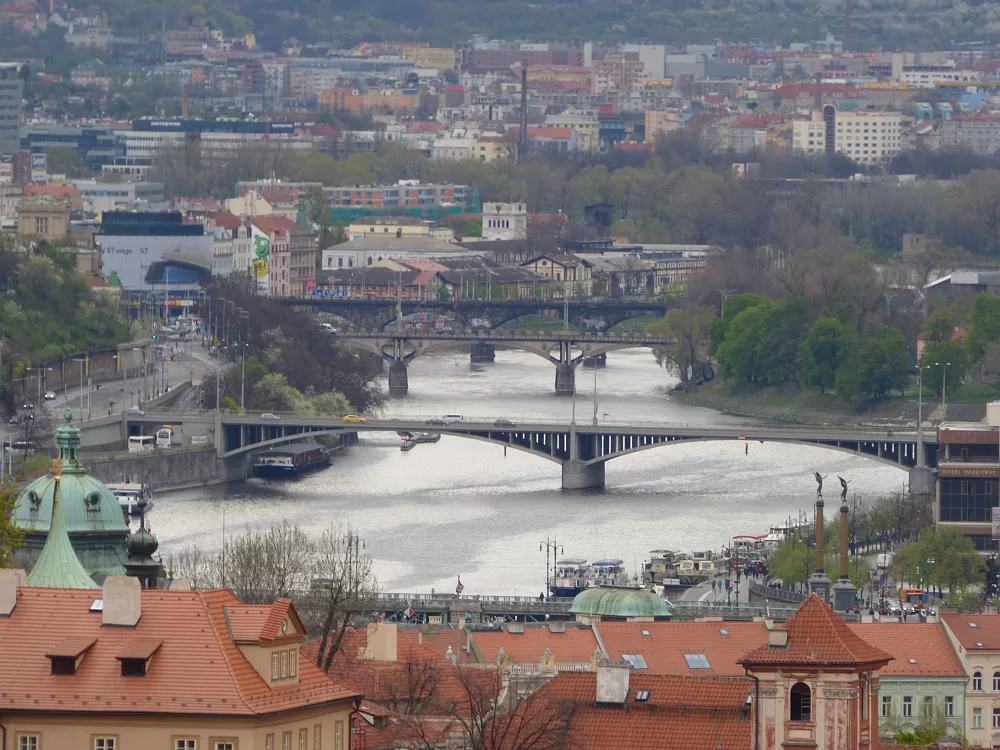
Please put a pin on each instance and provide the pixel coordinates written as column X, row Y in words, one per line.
column 289, row 460
column 129, row 493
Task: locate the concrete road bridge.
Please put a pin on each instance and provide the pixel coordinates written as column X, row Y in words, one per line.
column 586, row 313
column 582, row 450
column 565, row 349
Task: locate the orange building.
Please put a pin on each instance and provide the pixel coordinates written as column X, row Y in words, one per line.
column 370, row 100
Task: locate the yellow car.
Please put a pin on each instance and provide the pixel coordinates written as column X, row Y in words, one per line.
column 354, row 419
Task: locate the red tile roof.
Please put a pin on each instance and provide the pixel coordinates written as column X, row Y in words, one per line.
column 667, row 643
column 817, row 635
column 439, row 640
column 225, row 219
column 575, row 645
column 926, row 644
column 975, row 632
column 276, row 224
column 197, row 669
column 681, row 713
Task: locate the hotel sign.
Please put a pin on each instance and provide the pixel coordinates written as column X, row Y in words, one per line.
column 968, row 471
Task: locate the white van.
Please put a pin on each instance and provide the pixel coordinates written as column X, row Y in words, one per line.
column 141, row 444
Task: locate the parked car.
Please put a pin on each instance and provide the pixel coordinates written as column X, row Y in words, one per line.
column 504, row 423
column 268, row 416
column 50, row 395
column 136, row 411
column 354, row 419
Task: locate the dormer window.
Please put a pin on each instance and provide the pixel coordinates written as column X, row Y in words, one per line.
column 67, row 655
column 136, row 656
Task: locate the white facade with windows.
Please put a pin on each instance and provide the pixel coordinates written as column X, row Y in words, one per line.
column 867, row 137
column 505, row 221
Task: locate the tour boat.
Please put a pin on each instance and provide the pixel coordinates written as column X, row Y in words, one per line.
column 128, row 494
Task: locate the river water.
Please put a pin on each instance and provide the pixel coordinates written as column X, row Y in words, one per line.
column 462, row 507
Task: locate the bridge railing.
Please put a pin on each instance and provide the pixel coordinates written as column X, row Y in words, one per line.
column 487, row 333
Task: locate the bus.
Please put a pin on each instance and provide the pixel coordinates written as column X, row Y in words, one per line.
column 164, row 436
column 141, row 444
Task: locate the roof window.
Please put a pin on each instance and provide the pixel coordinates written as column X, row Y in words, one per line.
column 723, row 632
column 641, row 696
column 645, row 633
column 636, row 661
column 913, row 661
column 97, row 605
column 136, row 655
column 979, row 643
column 697, row 661
column 973, row 625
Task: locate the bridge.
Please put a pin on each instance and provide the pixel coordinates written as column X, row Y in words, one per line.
column 586, row 313
column 564, row 349
column 582, row 450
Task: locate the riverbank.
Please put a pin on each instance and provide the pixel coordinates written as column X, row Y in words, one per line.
column 789, row 403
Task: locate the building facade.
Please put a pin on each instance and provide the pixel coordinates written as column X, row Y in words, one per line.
column 968, row 479
column 976, row 639
column 505, row 221
column 11, row 94
column 867, row 137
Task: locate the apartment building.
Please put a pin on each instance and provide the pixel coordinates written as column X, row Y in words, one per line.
column 11, row 93
column 866, row 136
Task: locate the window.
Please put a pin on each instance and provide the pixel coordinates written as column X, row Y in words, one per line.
column 996, row 718
column 317, row 737
column 185, row 744
column 293, row 663
column 697, row 661
column 41, row 225
column 303, row 739
column 977, row 718
column 105, row 743
column 275, row 665
column 284, row 664
column 801, row 702
column 949, row 705
column 338, row 736
column 286, row 741
column 996, row 682
column 927, row 707
column 224, row 745
column 977, row 681
column 886, row 705
column 269, row 742
column 635, row 661
column 27, row 742
column 907, row 705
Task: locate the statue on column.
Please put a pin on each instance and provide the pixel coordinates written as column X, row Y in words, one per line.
column 819, row 484
column 843, row 489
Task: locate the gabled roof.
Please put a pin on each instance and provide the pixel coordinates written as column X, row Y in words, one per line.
column 975, row 632
column 817, row 635
column 276, row 224
column 261, row 623
column 918, row 648
column 574, row 645
column 678, row 713
column 198, row 669
column 665, row 646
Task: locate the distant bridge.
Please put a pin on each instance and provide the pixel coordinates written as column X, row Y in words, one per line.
column 586, row 313
column 564, row 349
column 582, row 450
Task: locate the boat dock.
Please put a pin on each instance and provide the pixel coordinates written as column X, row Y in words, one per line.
column 421, row 437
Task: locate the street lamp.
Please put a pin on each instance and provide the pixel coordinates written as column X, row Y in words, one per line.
column 83, row 364
column 41, row 374
column 944, row 382
column 920, row 415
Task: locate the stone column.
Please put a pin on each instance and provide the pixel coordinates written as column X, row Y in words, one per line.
column 565, row 378
column 577, row 475
column 818, row 581
column 398, row 378
column 843, row 591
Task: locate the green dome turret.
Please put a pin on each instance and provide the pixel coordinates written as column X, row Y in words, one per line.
column 619, row 603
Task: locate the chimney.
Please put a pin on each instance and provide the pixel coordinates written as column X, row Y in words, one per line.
column 515, row 628
column 612, row 681
column 557, row 626
column 382, row 641
column 10, row 581
column 776, row 637
column 122, row 601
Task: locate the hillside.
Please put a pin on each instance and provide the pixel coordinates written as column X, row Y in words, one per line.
column 885, row 24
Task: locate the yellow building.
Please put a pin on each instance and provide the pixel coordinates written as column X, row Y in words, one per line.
column 436, row 58
column 583, row 122
column 661, row 122
column 570, row 273
column 124, row 667
column 387, row 226
column 45, row 216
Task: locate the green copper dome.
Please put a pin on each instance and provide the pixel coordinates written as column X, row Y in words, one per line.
column 90, row 513
column 619, row 602
column 58, row 566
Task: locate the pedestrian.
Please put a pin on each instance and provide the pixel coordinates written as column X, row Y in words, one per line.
column 746, row 449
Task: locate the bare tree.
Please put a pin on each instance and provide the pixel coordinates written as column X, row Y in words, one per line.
column 192, row 565
column 346, row 588
column 260, row 566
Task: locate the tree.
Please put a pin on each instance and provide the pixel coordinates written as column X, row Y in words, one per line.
column 942, row 557
column 822, row 352
column 686, row 331
column 11, row 535
column 878, row 365
column 260, row 566
column 947, row 363
column 345, row 587
column 984, row 323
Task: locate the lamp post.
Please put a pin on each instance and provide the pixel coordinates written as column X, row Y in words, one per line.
column 41, row 374
column 83, row 363
column 944, row 382
column 556, row 549
column 920, row 415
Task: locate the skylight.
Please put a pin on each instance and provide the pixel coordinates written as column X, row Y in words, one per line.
column 913, row 661
column 636, row 661
column 697, row 661
column 973, row 625
column 723, row 632
column 979, row 643
column 97, row 605
column 645, row 633
column 642, row 696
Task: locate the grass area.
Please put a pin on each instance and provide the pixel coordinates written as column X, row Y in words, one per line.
column 973, row 393
column 633, row 325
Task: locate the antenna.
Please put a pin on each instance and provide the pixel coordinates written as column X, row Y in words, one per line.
column 522, row 140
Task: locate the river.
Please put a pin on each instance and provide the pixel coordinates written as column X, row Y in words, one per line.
column 461, row 507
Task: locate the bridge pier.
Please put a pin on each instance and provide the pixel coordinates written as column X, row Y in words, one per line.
column 483, row 353
column 399, row 382
column 601, row 360
column 565, row 378
column 577, row 475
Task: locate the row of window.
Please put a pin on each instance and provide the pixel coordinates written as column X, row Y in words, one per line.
column 33, row 742
column 284, row 664
column 926, row 709
column 977, row 718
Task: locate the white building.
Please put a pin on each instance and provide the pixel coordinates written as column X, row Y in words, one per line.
column 867, row 137
column 505, row 221
column 109, row 196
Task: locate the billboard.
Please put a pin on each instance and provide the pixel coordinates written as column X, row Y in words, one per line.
column 39, row 167
column 260, row 266
column 146, row 263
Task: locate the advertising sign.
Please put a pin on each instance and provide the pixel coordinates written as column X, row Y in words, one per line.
column 996, row 523
column 39, row 167
column 127, row 260
column 261, row 264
